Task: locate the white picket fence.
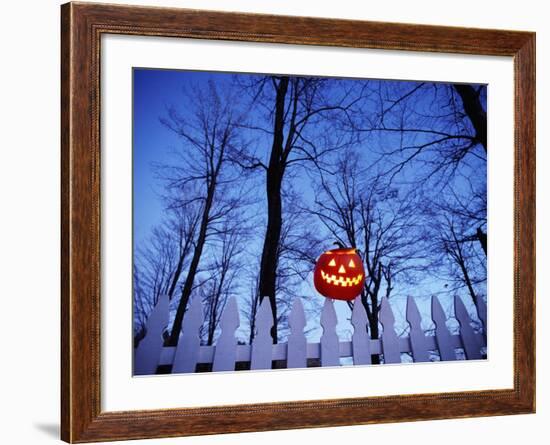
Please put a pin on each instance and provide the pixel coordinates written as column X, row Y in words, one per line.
column 183, row 358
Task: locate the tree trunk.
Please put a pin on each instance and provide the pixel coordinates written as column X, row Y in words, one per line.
column 253, row 312
column 482, row 237
column 274, row 177
column 474, row 111
column 268, row 268
column 468, row 281
column 373, row 323
column 190, row 279
column 375, row 334
column 179, row 268
column 462, row 264
column 215, row 304
column 372, row 316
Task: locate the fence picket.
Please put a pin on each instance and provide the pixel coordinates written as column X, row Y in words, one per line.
column 187, row 350
column 297, row 343
column 390, row 341
column 442, row 334
column 360, row 339
column 419, row 344
column 330, row 354
column 147, row 354
column 471, row 346
column 262, row 344
column 226, row 347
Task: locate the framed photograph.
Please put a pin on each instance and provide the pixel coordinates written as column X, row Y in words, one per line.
column 274, row 222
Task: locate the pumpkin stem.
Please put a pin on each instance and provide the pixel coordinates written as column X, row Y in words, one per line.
column 339, row 244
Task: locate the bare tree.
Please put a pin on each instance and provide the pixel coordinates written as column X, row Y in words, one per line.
column 433, row 137
column 463, row 258
column 160, row 260
column 468, row 208
column 226, row 267
column 208, row 130
column 294, row 105
column 362, row 212
column 184, row 226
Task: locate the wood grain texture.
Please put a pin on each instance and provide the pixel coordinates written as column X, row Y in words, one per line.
column 81, row 29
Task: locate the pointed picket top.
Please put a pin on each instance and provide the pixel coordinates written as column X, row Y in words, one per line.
column 442, row 334
column 470, row 343
column 297, row 318
column 360, row 340
column 225, row 352
column 330, row 348
column 419, row 344
column 264, row 318
column 390, row 341
column 297, row 343
column 413, row 314
column 187, row 351
column 262, row 345
column 147, row 354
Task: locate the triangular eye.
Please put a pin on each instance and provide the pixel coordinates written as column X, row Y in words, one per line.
column 332, row 263
column 351, row 263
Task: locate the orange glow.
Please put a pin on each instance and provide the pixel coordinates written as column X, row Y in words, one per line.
column 341, row 281
column 346, row 278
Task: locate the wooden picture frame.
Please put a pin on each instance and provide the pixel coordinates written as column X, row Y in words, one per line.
column 82, row 25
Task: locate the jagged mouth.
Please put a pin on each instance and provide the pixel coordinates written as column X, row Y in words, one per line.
column 340, row 280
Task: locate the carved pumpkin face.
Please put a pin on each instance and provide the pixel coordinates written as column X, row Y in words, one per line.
column 339, row 274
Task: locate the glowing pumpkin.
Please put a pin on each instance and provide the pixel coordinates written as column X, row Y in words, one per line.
column 339, row 274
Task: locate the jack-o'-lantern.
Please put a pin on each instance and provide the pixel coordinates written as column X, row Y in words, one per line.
column 339, row 274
